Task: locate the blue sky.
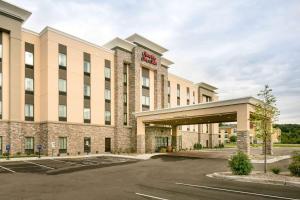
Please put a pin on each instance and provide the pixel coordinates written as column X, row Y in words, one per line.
column 238, row 46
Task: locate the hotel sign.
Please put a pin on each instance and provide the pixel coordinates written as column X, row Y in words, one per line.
column 149, row 58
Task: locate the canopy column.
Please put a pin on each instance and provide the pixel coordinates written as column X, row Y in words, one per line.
column 140, row 137
column 243, row 129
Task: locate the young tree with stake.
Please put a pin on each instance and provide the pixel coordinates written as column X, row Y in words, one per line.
column 265, row 114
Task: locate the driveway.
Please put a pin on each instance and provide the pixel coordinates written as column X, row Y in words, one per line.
column 162, row 177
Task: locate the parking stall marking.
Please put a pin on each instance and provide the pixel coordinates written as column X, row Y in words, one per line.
column 71, row 163
column 150, row 196
column 8, row 169
column 236, row 191
column 38, row 165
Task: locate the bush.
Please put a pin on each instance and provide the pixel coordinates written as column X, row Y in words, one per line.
column 276, row 170
column 197, row 146
column 233, row 138
column 221, row 145
column 240, row 164
column 163, row 150
column 294, row 167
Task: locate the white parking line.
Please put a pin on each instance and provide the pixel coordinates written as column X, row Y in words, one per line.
column 71, row 163
column 149, row 196
column 38, row 164
column 8, row 169
column 236, row 191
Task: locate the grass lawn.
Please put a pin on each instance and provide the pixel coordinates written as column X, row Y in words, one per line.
column 232, row 145
column 286, row 145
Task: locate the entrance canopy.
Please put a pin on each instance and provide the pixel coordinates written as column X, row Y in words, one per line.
column 233, row 110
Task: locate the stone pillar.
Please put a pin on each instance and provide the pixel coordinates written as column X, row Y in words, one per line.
column 140, row 137
column 174, row 137
column 243, row 129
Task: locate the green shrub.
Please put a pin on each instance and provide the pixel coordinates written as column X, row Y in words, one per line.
column 294, row 168
column 221, row 145
column 233, row 138
column 197, row 146
column 240, row 164
column 163, row 150
column 276, row 170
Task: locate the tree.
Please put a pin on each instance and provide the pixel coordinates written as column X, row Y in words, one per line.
column 265, row 114
column 233, row 138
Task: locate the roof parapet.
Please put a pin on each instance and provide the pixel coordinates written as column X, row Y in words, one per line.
column 206, row 86
column 14, row 12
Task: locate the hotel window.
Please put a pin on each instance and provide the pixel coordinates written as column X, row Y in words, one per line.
column 107, row 94
column 145, row 101
column 146, row 82
column 125, row 118
column 178, row 91
column 1, row 141
column 29, row 145
column 87, row 113
column 107, row 117
column 207, row 98
column 125, row 98
column 28, row 58
column 1, row 108
column 28, row 110
column 87, row 90
column 87, row 67
column 62, row 59
column 62, row 142
column 62, row 85
column 28, row 84
column 107, row 72
column 194, row 98
column 62, row 111
column 0, row 79
column 124, row 78
column 169, row 88
column 1, row 49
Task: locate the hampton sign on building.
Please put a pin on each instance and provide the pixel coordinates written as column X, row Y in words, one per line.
column 149, row 58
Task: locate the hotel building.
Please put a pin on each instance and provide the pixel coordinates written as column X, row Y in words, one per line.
column 74, row 97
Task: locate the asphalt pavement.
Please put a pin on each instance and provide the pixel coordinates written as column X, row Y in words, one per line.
column 162, row 177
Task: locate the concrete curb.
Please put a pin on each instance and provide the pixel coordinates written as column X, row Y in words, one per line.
column 137, row 157
column 219, row 175
column 272, row 160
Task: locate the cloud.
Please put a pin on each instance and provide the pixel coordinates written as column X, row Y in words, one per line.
column 237, row 46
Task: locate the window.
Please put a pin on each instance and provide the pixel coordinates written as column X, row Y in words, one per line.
column 62, row 85
column 178, row 90
column 62, row 59
column 125, row 118
column 0, row 107
column 1, row 79
column 28, row 58
column 107, row 72
column 87, row 90
column 87, row 113
column 107, row 94
column 29, row 145
column 145, row 101
column 107, row 117
column 62, row 111
column 1, row 144
column 87, row 67
column 62, row 142
column 28, row 84
column 194, row 98
column 1, row 50
column 169, row 88
column 145, row 82
column 125, row 78
column 125, row 98
column 28, row 110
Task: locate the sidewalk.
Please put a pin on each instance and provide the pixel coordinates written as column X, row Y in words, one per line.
column 132, row 156
column 260, row 177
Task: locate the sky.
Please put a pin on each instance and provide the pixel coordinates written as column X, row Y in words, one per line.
column 237, row 46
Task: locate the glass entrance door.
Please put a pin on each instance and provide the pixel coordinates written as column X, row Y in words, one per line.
column 87, row 145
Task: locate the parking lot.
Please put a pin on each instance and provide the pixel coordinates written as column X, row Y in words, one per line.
column 60, row 166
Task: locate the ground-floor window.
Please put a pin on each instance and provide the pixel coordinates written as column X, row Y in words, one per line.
column 0, row 145
column 161, row 142
column 29, row 145
column 62, row 144
column 87, row 144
